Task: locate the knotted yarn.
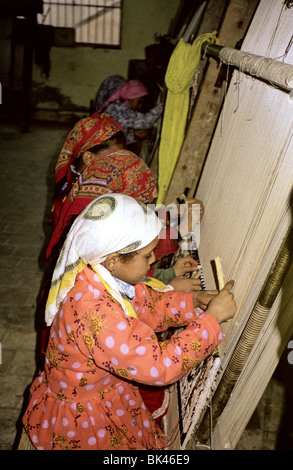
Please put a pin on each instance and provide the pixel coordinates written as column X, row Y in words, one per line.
column 179, row 77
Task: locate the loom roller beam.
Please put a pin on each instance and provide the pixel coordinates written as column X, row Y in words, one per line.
column 278, row 73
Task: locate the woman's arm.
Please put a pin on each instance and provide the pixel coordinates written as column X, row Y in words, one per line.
column 130, row 119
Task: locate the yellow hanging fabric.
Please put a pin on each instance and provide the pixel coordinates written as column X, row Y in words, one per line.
column 179, row 76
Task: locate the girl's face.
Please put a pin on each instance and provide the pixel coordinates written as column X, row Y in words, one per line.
column 136, row 103
column 133, row 271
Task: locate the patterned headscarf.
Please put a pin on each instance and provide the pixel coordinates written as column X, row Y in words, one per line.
column 118, row 171
column 129, row 91
column 86, row 133
column 109, row 224
column 109, row 85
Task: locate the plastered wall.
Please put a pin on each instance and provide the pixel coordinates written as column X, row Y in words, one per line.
column 77, row 72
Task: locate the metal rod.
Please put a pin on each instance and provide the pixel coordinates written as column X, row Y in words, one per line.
column 212, row 50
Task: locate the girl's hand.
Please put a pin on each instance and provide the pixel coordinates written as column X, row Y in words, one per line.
column 184, row 265
column 202, row 298
column 185, row 284
column 223, row 305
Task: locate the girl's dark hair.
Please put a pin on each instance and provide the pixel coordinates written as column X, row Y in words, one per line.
column 119, row 137
column 128, row 257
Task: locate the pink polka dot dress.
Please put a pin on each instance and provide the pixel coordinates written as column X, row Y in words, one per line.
column 87, row 397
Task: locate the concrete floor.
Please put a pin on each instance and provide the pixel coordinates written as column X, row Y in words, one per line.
column 26, row 181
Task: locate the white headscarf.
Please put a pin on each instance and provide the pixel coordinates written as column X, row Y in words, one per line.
column 110, row 223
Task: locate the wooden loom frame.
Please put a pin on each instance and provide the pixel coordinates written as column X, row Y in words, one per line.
column 231, row 418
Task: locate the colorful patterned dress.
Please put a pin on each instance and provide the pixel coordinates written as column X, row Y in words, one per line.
column 113, row 171
column 87, row 397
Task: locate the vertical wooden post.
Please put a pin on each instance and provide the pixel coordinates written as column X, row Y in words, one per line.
column 231, row 28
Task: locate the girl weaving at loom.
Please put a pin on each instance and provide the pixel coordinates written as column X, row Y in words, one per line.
column 93, row 162
column 125, row 106
column 103, row 314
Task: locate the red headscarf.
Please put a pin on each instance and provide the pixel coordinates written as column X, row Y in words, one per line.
column 118, row 171
column 86, row 133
